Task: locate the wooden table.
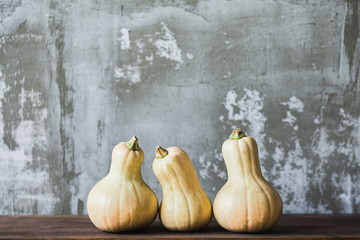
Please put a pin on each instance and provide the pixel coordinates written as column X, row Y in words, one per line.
column 80, row 227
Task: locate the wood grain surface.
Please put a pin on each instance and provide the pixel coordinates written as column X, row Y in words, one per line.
column 80, row 227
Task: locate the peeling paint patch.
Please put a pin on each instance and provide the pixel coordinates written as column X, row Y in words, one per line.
column 150, row 59
column 25, row 38
column 247, row 112
column 124, row 39
column 291, row 120
column 189, row 56
column 322, row 146
column 250, row 106
column 339, row 189
column 294, row 104
column 128, row 73
column 167, row 46
column 211, row 169
column 346, row 120
column 221, row 118
column 227, row 75
column 24, row 173
column 140, row 44
column 346, row 197
column 148, row 49
column 290, row 176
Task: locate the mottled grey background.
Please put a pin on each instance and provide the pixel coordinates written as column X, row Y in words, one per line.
column 77, row 77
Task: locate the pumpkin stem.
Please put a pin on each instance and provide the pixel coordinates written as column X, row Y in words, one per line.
column 161, row 152
column 132, row 144
column 237, row 134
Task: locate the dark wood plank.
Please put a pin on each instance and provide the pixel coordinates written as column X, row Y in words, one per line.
column 80, row 227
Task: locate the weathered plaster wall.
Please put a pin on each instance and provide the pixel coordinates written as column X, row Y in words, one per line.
column 77, row 77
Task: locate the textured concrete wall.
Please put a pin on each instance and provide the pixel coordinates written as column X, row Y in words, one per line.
column 77, row 77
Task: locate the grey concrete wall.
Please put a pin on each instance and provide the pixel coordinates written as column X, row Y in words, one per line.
column 77, row 77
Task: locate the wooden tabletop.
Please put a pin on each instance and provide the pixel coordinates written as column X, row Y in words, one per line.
column 80, row 227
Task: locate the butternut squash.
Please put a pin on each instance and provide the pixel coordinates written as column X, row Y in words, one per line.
column 247, row 202
column 185, row 206
column 122, row 201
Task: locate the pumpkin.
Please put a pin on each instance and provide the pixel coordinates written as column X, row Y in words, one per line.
column 122, row 201
column 247, row 202
column 185, row 206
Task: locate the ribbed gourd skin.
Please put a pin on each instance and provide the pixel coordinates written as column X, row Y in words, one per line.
column 185, row 205
column 122, row 201
column 247, row 202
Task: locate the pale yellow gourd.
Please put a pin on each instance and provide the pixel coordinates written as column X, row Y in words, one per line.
column 185, row 206
column 122, row 201
column 247, row 202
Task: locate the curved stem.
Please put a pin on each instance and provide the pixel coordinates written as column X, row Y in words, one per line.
column 237, row 134
column 132, row 144
column 161, row 152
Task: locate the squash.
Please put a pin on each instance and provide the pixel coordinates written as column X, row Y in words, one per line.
column 247, row 202
column 122, row 201
column 185, row 206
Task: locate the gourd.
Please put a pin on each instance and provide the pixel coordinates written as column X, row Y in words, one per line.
column 247, row 202
column 185, row 206
column 122, row 201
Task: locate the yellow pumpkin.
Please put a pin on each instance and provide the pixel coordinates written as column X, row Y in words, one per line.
column 247, row 202
column 122, row 201
column 185, row 206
